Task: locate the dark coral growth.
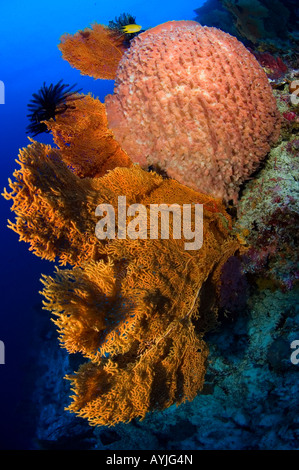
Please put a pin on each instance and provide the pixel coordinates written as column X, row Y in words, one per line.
column 48, row 102
column 270, row 23
column 274, row 67
column 234, row 287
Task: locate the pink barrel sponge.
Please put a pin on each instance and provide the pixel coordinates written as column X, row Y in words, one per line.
column 194, row 102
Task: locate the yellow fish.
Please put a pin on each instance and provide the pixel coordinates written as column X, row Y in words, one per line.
column 131, row 28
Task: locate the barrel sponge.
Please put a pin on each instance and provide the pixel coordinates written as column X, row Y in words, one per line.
column 192, row 101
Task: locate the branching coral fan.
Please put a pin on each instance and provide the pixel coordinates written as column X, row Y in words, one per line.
column 140, row 316
column 194, row 101
column 96, row 51
column 54, row 208
column 86, row 143
column 137, row 309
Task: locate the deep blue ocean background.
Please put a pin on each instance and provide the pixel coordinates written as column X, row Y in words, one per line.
column 29, row 34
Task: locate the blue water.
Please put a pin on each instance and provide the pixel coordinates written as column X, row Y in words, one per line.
column 29, row 34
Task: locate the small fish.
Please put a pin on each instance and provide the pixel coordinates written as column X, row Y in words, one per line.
column 131, row 28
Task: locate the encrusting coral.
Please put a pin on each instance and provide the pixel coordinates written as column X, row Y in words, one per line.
column 269, row 211
column 194, row 102
column 96, row 51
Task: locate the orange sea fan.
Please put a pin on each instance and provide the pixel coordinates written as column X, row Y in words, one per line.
column 136, row 308
column 83, row 324
column 95, row 51
column 85, row 142
column 54, row 208
column 140, row 316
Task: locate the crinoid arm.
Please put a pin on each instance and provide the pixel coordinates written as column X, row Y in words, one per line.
column 47, row 103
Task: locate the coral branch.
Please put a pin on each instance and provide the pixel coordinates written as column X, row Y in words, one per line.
column 137, row 317
column 54, row 208
column 85, row 142
column 96, row 51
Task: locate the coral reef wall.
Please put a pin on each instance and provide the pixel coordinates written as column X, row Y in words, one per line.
column 140, row 315
column 269, row 212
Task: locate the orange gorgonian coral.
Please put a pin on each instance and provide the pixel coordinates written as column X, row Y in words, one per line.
column 95, row 51
column 85, row 142
column 140, row 316
column 54, row 208
column 137, row 309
